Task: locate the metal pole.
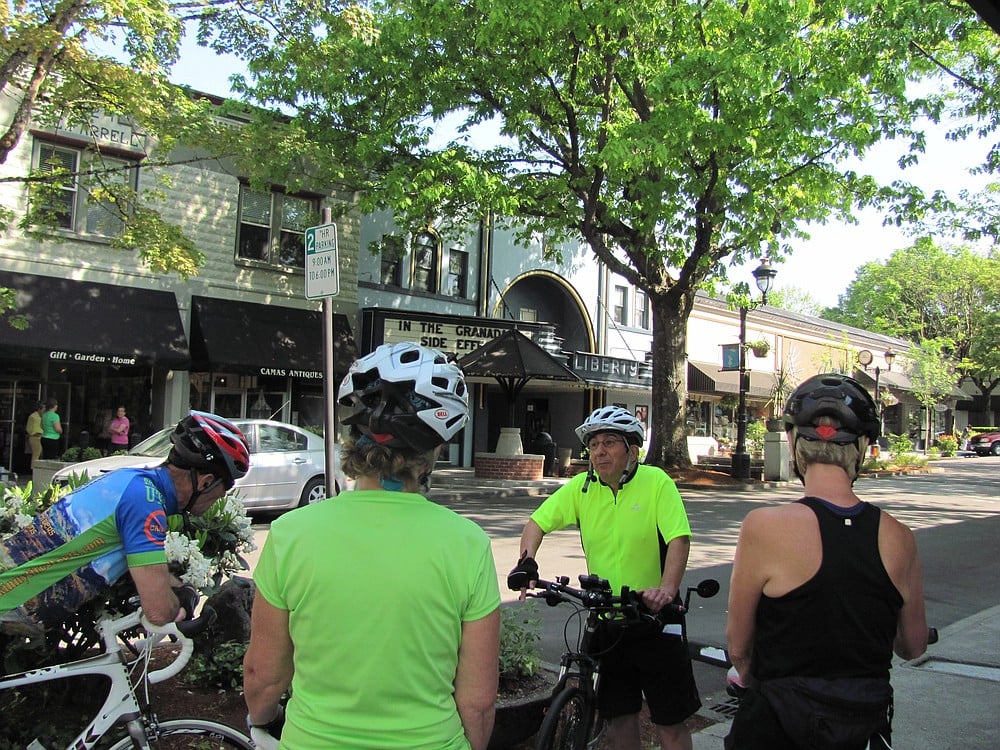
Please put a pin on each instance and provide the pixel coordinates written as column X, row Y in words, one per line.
column 740, row 468
column 330, row 431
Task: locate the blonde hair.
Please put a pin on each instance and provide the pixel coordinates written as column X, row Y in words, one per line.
column 361, row 456
column 809, row 452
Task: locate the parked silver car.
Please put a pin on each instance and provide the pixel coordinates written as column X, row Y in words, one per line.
column 287, row 464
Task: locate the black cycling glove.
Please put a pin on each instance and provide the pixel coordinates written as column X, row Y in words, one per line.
column 523, row 573
column 273, row 727
column 188, row 597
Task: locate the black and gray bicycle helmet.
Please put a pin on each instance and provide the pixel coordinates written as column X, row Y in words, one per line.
column 837, row 396
column 405, row 396
column 208, row 443
column 612, row 419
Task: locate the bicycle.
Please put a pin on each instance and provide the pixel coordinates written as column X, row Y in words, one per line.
column 126, row 664
column 572, row 721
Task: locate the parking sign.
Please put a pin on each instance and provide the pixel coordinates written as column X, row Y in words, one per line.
column 322, row 262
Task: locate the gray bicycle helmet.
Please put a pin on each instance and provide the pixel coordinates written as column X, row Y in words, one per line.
column 612, row 419
column 837, row 396
column 405, row 396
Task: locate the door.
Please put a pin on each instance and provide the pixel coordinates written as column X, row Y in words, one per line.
column 229, row 402
column 280, row 465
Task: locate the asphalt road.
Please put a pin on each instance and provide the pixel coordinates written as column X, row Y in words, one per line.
column 954, row 512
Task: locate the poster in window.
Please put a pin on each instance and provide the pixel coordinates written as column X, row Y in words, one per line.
column 641, row 412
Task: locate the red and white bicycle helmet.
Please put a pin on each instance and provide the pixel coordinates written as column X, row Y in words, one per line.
column 205, row 442
column 405, row 396
column 612, row 419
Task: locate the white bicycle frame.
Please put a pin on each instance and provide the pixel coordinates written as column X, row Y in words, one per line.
column 121, row 705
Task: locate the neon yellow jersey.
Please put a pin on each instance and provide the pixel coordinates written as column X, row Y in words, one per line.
column 377, row 585
column 625, row 537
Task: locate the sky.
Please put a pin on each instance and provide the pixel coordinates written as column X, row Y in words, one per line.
column 822, row 266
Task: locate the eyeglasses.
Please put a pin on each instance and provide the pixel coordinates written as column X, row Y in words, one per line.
column 606, row 443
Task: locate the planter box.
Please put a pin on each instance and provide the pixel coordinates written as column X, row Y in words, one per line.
column 45, row 469
column 527, row 466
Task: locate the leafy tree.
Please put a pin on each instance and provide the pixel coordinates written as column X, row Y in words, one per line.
column 50, row 75
column 931, row 374
column 795, row 299
column 677, row 138
column 929, row 293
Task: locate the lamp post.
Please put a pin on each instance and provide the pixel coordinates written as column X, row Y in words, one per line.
column 740, row 468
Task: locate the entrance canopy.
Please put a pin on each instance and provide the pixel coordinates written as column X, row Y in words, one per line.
column 85, row 322
column 245, row 337
column 512, row 359
column 705, row 377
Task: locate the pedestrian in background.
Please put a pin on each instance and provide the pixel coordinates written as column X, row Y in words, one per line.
column 379, row 607
column 119, row 431
column 51, row 429
column 33, row 428
column 823, row 590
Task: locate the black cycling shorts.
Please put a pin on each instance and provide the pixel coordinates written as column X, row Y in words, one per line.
column 651, row 663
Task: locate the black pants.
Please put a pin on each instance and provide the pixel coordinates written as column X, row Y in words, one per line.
column 50, row 448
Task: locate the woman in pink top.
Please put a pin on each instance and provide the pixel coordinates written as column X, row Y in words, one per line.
column 119, row 430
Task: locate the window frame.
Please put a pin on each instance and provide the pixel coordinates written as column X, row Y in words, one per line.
column 426, row 258
column 458, row 277
column 641, row 311
column 83, row 211
column 277, row 230
column 619, row 305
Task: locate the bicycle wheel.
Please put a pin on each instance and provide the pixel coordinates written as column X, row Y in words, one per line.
column 196, row 734
column 568, row 722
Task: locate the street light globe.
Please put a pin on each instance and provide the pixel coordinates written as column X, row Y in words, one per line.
column 764, row 274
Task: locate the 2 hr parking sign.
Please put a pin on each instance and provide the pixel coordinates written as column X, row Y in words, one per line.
column 322, row 262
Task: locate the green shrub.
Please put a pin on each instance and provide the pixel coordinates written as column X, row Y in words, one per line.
column 948, row 445
column 220, row 666
column 74, row 455
column 519, row 631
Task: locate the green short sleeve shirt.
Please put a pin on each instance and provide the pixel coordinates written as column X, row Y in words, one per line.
column 625, row 536
column 377, row 585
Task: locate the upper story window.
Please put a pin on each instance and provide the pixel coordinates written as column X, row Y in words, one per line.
column 90, row 192
column 458, row 273
column 528, row 315
column 619, row 311
column 391, row 260
column 426, row 246
column 272, row 227
column 641, row 313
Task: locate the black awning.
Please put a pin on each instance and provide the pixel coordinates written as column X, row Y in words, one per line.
column 91, row 323
column 245, row 337
column 704, row 377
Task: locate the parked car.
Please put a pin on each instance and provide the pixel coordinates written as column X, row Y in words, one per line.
column 287, row 464
column 986, row 443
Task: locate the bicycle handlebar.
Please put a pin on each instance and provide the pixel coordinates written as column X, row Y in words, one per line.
column 182, row 631
column 595, row 594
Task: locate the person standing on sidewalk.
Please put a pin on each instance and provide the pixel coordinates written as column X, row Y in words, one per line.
column 379, row 607
column 823, row 590
column 51, row 429
column 635, row 533
column 33, row 428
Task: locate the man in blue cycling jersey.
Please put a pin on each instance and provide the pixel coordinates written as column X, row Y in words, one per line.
column 72, row 552
column 635, row 533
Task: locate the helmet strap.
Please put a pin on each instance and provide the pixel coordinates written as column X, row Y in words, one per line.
column 390, row 484
column 195, row 490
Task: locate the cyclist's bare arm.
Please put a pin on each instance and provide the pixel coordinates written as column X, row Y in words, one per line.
column 477, row 677
column 267, row 666
column 745, row 587
column 898, row 549
column 531, row 539
column 152, row 583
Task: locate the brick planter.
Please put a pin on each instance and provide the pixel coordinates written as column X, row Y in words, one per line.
column 495, row 466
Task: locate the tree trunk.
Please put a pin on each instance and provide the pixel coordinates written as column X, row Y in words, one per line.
column 668, row 446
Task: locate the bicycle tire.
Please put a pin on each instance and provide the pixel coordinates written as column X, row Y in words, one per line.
column 568, row 723
column 182, row 734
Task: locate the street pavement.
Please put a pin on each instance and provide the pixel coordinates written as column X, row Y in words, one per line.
column 949, row 697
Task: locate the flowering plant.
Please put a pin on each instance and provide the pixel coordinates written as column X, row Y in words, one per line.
column 948, row 445
column 202, row 550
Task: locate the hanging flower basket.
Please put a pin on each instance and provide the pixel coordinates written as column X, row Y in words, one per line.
column 759, row 348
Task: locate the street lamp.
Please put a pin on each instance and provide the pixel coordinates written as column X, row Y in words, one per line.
column 764, row 274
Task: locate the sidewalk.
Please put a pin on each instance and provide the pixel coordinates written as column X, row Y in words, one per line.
column 950, row 697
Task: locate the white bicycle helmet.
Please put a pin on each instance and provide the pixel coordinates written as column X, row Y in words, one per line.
column 405, row 396
column 612, row 419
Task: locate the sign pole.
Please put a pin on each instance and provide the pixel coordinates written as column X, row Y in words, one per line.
column 329, row 387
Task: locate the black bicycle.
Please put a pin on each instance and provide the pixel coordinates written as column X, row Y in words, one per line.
column 572, row 721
